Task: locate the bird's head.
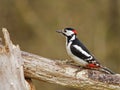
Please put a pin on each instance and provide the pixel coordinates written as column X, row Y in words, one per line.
column 68, row 32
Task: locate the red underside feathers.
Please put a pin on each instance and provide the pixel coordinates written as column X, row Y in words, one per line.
column 92, row 66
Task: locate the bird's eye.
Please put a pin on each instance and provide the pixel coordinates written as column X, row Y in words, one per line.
column 65, row 31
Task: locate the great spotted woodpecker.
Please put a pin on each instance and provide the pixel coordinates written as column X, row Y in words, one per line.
column 79, row 53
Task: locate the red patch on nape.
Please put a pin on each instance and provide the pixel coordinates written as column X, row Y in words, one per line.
column 75, row 32
column 92, row 66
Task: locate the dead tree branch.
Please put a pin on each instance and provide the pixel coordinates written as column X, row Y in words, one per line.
column 59, row 72
column 55, row 71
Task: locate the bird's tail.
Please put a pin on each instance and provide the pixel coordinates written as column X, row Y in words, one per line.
column 107, row 70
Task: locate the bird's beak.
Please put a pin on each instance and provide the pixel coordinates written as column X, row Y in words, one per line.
column 59, row 31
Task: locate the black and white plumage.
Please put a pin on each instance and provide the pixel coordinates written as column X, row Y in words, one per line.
column 78, row 52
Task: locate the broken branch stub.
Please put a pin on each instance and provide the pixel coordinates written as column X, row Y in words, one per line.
column 11, row 66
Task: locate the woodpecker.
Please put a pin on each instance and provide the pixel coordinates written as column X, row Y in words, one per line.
column 79, row 53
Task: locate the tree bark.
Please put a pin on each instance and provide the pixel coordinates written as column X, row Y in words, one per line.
column 58, row 72
column 55, row 71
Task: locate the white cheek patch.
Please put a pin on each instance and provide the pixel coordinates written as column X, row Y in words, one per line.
column 69, row 33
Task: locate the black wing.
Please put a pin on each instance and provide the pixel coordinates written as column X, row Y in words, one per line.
column 89, row 58
column 78, row 52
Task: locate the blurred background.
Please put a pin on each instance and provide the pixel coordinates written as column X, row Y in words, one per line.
column 32, row 25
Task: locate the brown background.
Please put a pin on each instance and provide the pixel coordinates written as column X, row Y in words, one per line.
column 32, row 25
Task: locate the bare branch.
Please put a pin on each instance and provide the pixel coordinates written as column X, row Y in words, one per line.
column 55, row 71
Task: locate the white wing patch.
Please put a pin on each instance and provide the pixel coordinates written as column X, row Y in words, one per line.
column 81, row 50
column 75, row 58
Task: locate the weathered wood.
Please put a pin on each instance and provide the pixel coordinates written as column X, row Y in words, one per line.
column 58, row 72
column 11, row 66
column 53, row 71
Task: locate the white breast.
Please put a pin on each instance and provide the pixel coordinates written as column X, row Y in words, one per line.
column 75, row 58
